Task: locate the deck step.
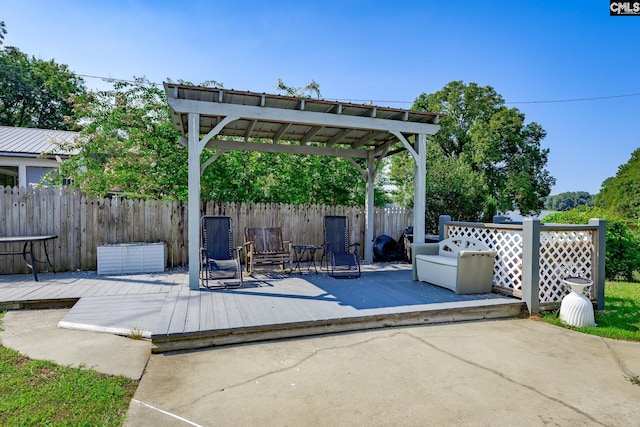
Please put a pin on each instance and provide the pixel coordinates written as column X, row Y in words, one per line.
column 437, row 313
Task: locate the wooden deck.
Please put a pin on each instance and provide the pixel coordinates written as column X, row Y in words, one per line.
column 164, row 309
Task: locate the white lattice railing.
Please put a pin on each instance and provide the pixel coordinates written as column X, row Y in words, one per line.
column 507, row 240
column 564, row 251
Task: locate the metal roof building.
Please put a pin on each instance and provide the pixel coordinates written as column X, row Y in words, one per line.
column 26, row 154
column 29, row 142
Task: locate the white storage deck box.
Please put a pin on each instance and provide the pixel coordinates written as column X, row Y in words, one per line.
column 128, row 258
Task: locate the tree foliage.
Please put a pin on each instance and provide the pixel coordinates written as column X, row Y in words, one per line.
column 311, row 90
column 502, row 154
column 620, row 195
column 623, row 252
column 127, row 144
column 284, row 178
column 36, row 93
column 451, row 186
column 568, row 200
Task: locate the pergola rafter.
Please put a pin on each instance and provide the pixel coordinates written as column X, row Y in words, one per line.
column 234, row 120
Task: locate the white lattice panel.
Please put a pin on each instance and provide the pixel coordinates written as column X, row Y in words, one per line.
column 507, row 270
column 562, row 254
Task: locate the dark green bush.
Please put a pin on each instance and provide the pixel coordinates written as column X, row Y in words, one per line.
column 623, row 252
column 622, row 257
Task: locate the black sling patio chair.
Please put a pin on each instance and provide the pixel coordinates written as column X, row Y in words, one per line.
column 220, row 261
column 341, row 257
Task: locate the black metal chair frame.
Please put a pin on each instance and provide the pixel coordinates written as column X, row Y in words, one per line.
column 344, row 259
column 218, row 256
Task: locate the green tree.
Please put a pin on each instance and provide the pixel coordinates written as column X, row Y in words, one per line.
column 284, row 178
column 507, row 151
column 451, row 186
column 501, row 152
column 568, row 200
column 620, row 195
column 36, row 93
column 127, row 144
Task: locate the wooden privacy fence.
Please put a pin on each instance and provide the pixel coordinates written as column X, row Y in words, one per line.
column 82, row 223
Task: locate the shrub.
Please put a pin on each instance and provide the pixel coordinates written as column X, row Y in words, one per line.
column 623, row 252
column 622, row 257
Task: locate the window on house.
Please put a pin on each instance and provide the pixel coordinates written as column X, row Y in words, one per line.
column 8, row 176
column 35, row 174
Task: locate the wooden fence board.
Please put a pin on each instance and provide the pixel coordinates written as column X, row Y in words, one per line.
column 83, row 223
column 15, row 226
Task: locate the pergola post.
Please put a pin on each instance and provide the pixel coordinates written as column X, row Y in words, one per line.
column 368, row 210
column 195, row 149
column 419, row 185
column 321, row 127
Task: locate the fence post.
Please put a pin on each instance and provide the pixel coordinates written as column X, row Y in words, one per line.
column 600, row 248
column 442, row 220
column 531, row 264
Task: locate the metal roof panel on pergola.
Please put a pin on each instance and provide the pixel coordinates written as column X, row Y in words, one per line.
column 229, row 120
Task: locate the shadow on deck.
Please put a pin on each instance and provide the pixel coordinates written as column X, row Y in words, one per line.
column 272, row 306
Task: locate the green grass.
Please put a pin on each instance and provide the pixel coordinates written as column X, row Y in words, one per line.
column 41, row 393
column 621, row 317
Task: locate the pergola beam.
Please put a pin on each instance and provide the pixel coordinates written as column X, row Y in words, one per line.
column 338, row 137
column 280, row 132
column 365, row 139
column 310, row 134
column 382, row 151
column 211, row 159
column 406, row 144
column 296, row 116
column 249, row 130
column 286, row 148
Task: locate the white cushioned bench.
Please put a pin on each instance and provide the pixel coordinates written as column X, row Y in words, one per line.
column 462, row 264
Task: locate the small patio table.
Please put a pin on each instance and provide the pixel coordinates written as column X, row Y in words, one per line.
column 298, row 253
column 27, row 249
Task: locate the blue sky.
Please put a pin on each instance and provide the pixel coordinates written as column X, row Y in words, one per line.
column 386, row 52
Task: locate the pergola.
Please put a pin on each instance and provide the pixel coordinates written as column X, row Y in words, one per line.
column 229, row 120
